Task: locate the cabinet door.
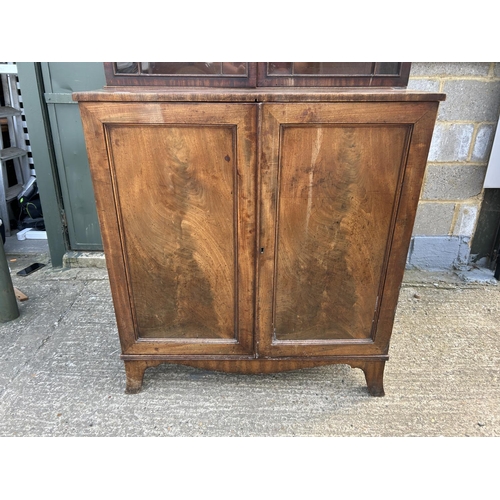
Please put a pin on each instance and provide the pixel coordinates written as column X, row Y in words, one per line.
column 175, row 189
column 339, row 188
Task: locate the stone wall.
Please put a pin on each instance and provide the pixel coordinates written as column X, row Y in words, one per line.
column 452, row 192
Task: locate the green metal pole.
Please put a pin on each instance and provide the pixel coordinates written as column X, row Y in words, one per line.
column 8, row 302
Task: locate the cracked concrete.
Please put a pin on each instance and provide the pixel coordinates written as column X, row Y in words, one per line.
column 61, row 375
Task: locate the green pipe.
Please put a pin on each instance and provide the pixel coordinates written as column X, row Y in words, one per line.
column 8, row 302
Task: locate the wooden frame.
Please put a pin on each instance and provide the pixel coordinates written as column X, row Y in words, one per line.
column 373, row 79
column 258, row 77
column 116, row 79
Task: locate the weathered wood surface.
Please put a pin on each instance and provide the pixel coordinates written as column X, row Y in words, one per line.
column 317, row 94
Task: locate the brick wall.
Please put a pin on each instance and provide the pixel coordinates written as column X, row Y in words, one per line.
column 452, row 192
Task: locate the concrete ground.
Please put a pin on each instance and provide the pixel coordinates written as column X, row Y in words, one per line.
column 61, row 375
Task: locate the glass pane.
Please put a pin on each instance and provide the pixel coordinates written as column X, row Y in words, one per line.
column 332, row 68
column 126, row 68
column 234, row 68
column 181, row 68
column 387, row 68
column 194, row 68
column 279, row 68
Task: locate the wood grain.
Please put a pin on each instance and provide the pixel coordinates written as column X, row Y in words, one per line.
column 175, row 190
column 290, row 94
column 331, row 216
column 407, row 208
column 176, row 193
column 337, row 189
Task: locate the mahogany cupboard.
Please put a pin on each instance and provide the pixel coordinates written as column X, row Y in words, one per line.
column 256, row 230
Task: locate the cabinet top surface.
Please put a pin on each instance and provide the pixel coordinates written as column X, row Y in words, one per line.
column 201, row 94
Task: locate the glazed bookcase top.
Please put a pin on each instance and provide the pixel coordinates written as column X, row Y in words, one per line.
column 252, row 74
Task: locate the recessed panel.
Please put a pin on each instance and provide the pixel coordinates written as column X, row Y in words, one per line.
column 337, row 193
column 175, row 188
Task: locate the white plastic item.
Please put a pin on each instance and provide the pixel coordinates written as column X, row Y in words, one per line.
column 21, row 235
column 36, row 235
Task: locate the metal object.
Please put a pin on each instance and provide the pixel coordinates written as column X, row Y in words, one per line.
column 8, row 303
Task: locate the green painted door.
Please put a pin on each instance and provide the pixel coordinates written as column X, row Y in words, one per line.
column 60, row 80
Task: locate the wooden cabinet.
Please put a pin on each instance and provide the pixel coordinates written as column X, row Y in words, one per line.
column 256, row 230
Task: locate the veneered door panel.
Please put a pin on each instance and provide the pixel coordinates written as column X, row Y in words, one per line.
column 336, row 200
column 178, row 221
column 333, row 205
column 183, row 183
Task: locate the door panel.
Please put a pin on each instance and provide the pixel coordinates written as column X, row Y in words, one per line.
column 182, row 178
column 178, row 220
column 74, row 176
column 336, row 199
column 333, row 206
column 60, row 80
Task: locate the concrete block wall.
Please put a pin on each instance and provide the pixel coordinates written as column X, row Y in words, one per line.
column 452, row 192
